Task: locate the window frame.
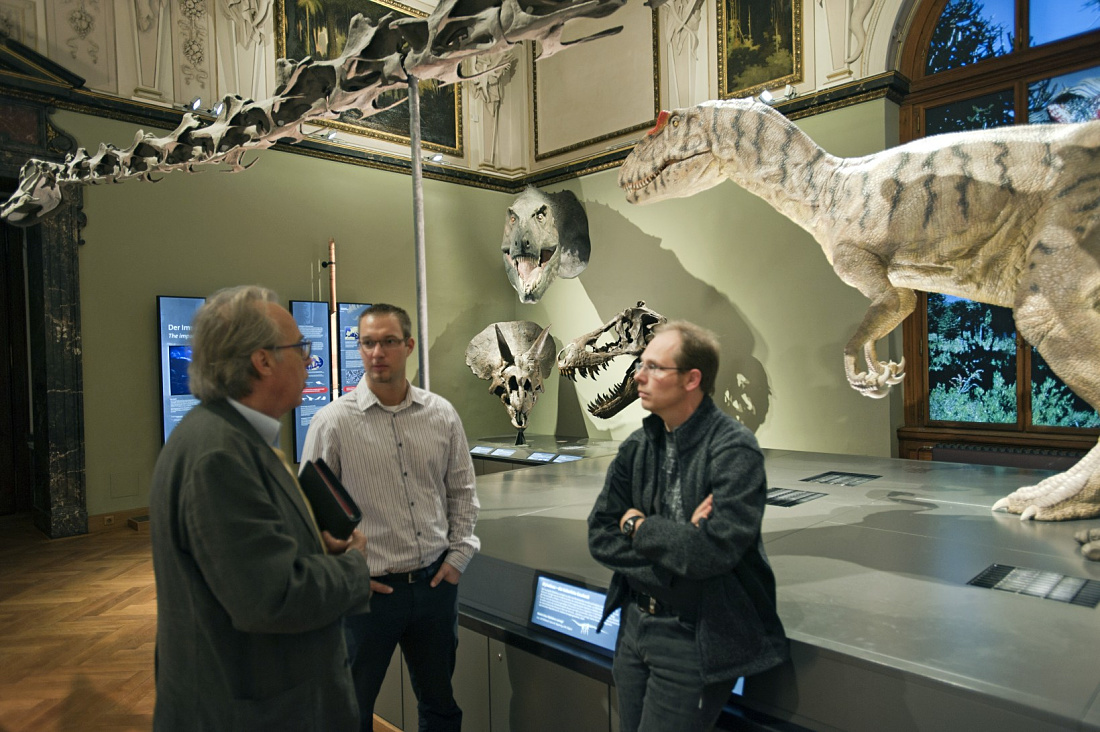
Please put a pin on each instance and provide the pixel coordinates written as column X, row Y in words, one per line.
column 1016, row 69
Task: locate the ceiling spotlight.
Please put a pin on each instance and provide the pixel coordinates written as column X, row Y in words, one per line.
column 330, row 135
column 789, row 92
column 766, row 97
column 195, row 104
column 217, row 108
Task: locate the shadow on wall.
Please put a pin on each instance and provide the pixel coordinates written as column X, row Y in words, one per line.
column 640, row 269
column 482, row 413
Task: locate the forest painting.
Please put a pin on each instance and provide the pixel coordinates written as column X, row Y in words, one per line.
column 759, row 45
column 319, row 28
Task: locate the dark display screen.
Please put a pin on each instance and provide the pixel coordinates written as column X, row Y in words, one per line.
column 574, row 611
column 313, row 321
column 347, row 326
column 174, row 316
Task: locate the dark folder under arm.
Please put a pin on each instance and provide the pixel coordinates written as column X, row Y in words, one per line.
column 334, row 509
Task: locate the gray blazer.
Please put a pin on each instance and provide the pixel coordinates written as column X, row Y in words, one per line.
column 249, row 608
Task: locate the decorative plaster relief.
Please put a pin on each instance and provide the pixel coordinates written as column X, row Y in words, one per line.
column 81, row 35
column 681, row 24
column 193, row 26
column 17, row 21
column 243, row 32
column 150, row 17
column 491, row 75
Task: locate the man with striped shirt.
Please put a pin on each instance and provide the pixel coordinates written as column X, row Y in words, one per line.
column 402, row 454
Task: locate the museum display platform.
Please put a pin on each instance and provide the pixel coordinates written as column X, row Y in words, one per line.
column 872, row 563
column 499, row 453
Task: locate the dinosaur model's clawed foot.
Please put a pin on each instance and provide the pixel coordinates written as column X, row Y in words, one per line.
column 1074, row 494
column 1089, row 539
column 877, row 385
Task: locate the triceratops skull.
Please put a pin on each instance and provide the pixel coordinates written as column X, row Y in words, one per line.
column 585, row 355
column 515, row 356
column 545, row 236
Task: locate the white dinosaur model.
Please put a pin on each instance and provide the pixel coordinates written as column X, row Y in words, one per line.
column 1008, row 216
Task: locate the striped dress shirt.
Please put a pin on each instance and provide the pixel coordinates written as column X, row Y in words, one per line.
column 409, row 469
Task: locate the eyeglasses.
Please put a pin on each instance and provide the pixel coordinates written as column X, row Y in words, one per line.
column 304, row 347
column 653, row 368
column 389, row 344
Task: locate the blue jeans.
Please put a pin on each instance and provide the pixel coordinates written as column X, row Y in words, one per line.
column 424, row 621
column 658, row 675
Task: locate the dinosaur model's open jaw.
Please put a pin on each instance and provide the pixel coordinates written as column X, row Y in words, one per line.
column 530, row 272
column 646, row 186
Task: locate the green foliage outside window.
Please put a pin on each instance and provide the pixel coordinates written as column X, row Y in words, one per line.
column 964, row 35
column 971, row 361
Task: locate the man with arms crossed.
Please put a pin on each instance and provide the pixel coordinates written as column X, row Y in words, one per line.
column 249, row 605
column 402, row 454
column 678, row 521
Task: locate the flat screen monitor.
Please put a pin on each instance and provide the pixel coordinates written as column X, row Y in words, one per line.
column 572, row 610
column 347, row 327
column 174, row 316
column 312, row 319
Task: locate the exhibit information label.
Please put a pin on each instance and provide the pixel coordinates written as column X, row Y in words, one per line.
column 574, row 611
column 174, row 316
column 312, row 319
column 347, row 323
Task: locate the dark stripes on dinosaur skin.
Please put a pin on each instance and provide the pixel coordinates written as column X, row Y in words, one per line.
column 1006, row 179
column 738, row 130
column 929, row 188
column 1077, row 184
column 865, row 177
column 895, row 177
column 786, row 151
column 962, row 185
column 811, row 166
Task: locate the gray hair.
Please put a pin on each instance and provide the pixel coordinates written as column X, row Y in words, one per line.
column 698, row 350
column 225, row 332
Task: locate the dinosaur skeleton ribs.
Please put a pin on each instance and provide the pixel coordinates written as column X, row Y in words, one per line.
column 630, row 331
column 378, row 57
column 1006, row 216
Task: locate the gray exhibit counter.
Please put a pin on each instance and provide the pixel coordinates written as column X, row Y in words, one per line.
column 501, row 453
column 873, row 568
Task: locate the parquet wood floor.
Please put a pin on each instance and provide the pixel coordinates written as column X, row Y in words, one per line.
column 77, row 630
column 78, row 623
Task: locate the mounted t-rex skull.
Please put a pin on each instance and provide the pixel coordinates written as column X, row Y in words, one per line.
column 516, row 356
column 545, row 236
column 630, row 330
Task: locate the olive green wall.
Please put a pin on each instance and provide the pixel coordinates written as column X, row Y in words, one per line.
column 193, row 234
column 722, row 258
column 726, row 260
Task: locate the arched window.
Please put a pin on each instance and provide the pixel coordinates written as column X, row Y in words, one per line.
column 977, row 64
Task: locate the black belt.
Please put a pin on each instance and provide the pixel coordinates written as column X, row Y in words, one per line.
column 417, row 575
column 652, row 606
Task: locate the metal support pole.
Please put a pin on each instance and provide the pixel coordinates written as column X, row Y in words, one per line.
column 418, row 232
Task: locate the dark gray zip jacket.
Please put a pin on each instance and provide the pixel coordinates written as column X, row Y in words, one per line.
column 717, row 572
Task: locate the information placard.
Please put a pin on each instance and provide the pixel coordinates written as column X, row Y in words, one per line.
column 347, row 324
column 312, row 319
column 573, row 610
column 174, row 316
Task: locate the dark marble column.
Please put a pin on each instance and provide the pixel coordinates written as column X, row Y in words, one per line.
column 59, row 503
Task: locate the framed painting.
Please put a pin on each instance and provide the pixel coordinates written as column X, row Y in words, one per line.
column 759, row 45
column 319, row 28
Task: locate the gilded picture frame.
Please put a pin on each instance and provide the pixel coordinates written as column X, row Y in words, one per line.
column 319, row 29
column 759, row 45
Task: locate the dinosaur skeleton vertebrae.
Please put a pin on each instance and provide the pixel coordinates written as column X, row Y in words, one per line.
column 515, row 357
column 377, row 58
column 627, row 334
column 1007, row 216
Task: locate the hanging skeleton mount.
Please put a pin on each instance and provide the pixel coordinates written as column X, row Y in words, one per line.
column 627, row 334
column 545, row 237
column 1006, row 216
column 377, row 58
column 515, row 357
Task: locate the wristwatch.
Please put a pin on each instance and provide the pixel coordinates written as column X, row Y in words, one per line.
column 628, row 526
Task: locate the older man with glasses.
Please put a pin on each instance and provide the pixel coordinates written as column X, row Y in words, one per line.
column 678, row 521
column 402, row 454
column 250, row 595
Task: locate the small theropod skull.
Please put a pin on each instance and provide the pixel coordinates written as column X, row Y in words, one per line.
column 516, row 356
column 545, row 236
column 629, row 332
